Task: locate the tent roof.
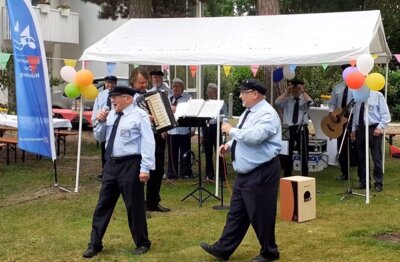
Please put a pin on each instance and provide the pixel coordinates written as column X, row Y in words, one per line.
column 302, row 39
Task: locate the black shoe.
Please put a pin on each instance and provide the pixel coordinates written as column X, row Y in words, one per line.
column 378, row 188
column 211, row 250
column 140, row 250
column 91, row 252
column 100, row 176
column 159, row 208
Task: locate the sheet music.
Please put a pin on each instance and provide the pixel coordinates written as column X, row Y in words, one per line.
column 199, row 108
column 211, row 108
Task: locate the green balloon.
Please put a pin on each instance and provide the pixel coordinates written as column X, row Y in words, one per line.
column 72, row 91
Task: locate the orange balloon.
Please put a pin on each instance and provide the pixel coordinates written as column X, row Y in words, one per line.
column 83, row 78
column 355, row 80
column 89, row 93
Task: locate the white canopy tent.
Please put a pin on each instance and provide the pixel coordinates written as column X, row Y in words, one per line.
column 302, row 39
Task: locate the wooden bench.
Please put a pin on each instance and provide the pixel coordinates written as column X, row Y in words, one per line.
column 61, row 137
column 3, row 129
column 389, row 136
column 11, row 145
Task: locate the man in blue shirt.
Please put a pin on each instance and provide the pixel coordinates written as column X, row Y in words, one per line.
column 129, row 158
column 255, row 147
column 378, row 119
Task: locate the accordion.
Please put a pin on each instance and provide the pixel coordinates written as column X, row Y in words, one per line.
column 159, row 107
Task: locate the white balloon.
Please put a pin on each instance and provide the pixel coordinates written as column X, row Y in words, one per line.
column 288, row 73
column 365, row 63
column 68, row 73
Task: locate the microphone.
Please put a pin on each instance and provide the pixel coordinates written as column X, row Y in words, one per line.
column 96, row 121
column 225, row 120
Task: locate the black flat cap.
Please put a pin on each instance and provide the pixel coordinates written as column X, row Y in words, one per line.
column 296, row 82
column 253, row 84
column 122, row 90
column 156, row 73
column 111, row 78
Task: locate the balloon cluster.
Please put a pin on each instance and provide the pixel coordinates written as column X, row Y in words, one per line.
column 79, row 83
column 361, row 80
column 283, row 72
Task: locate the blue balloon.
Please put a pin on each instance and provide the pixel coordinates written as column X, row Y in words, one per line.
column 278, row 75
column 361, row 94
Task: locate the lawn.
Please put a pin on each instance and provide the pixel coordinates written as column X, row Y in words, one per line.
column 42, row 224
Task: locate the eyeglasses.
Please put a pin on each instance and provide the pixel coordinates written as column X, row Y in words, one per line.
column 118, row 97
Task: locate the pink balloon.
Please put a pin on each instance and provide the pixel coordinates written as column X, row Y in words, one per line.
column 348, row 71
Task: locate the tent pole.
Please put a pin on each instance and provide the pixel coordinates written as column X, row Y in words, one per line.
column 272, row 87
column 384, row 130
column 78, row 156
column 218, row 133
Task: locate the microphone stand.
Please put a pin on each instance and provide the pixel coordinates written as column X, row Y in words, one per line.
column 303, row 140
column 349, row 189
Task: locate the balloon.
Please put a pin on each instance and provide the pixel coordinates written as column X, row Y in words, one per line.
column 361, row 94
column 72, row 91
column 355, row 80
column 90, row 92
column 288, row 73
column 348, row 71
column 68, row 73
column 277, row 75
column 83, row 78
column 365, row 63
column 375, row 81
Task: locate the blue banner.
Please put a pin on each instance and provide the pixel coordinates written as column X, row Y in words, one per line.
column 35, row 121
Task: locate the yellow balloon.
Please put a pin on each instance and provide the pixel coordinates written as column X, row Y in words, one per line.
column 375, row 81
column 89, row 93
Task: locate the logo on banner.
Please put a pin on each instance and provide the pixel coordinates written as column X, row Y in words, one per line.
column 31, row 62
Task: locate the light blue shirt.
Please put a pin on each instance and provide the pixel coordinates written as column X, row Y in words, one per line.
column 337, row 96
column 378, row 111
column 134, row 136
column 287, row 104
column 180, row 130
column 99, row 103
column 259, row 140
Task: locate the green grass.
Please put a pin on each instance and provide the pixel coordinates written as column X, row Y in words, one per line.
column 54, row 226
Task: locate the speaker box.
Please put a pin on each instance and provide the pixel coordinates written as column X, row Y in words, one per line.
column 297, row 198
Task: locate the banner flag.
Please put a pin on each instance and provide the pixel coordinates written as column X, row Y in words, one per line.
column 4, row 57
column 254, row 69
column 70, row 62
column 227, row 69
column 325, row 66
column 397, row 57
column 193, row 70
column 111, row 68
column 35, row 120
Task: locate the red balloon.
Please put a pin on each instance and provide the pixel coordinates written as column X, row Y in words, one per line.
column 355, row 80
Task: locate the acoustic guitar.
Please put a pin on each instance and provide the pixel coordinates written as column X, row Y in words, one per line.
column 334, row 129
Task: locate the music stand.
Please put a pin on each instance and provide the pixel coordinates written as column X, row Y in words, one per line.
column 197, row 122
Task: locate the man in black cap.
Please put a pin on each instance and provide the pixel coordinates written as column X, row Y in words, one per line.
column 158, row 83
column 103, row 101
column 129, row 159
column 255, row 147
column 139, row 82
column 294, row 102
column 340, row 97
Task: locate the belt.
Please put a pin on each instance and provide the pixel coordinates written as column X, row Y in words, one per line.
column 122, row 158
column 370, row 126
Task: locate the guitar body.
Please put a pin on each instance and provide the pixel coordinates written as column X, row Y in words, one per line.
column 332, row 129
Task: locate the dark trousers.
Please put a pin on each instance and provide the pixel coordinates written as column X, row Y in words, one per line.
column 254, row 201
column 343, row 154
column 178, row 145
column 297, row 138
column 210, row 146
column 121, row 177
column 154, row 184
column 375, row 145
